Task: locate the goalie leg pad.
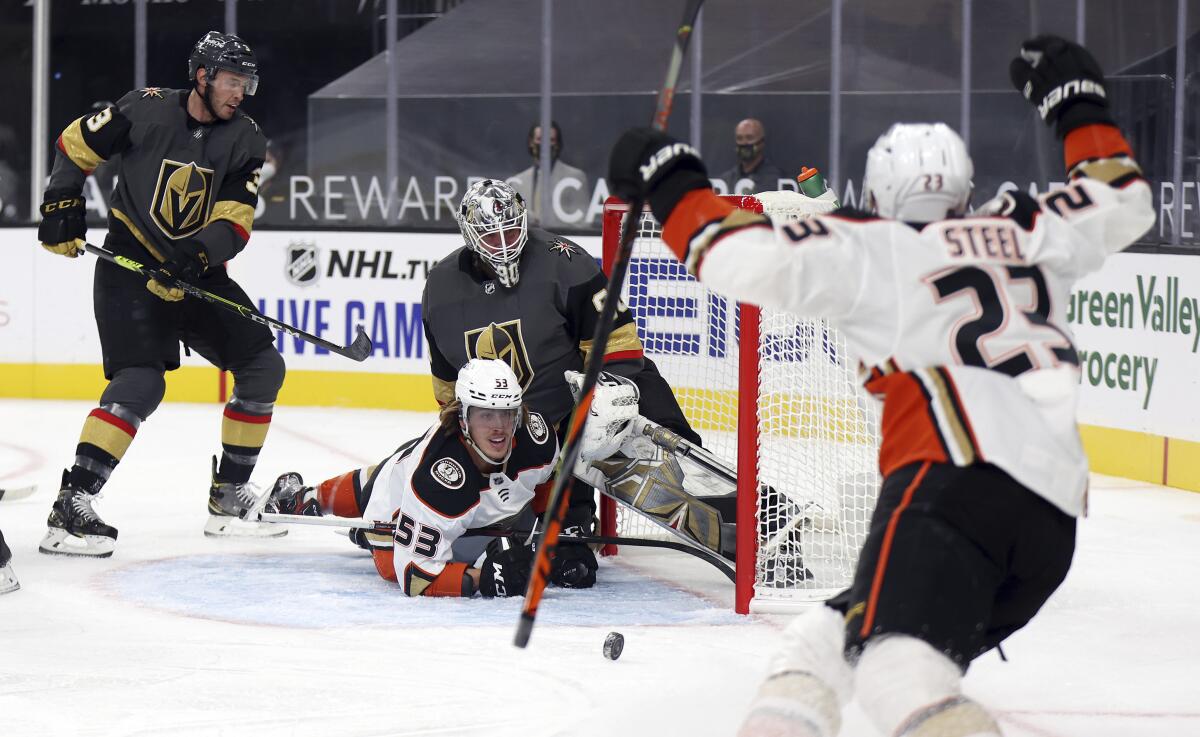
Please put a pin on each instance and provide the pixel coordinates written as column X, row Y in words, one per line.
column 909, row 689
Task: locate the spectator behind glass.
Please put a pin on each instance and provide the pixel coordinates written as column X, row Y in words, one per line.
column 569, row 194
column 753, row 172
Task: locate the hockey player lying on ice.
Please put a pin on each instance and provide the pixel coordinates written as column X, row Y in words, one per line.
column 478, row 466
column 960, row 323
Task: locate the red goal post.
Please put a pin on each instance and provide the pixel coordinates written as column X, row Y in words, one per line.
column 775, row 397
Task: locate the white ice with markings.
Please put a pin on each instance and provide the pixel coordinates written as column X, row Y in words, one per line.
column 186, row 635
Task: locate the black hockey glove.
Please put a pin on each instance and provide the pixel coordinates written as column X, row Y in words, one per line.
column 656, row 166
column 187, row 263
column 505, row 570
column 62, row 229
column 1063, row 81
column 574, row 565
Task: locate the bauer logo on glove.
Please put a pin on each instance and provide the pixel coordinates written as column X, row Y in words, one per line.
column 664, row 156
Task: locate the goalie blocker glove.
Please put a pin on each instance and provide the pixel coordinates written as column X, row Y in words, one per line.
column 651, row 164
column 1063, row 81
column 62, row 229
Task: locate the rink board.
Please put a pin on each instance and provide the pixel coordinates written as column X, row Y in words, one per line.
column 1136, row 322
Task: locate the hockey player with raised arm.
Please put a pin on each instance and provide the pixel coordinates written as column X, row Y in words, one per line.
column 187, row 185
column 478, row 466
column 960, row 325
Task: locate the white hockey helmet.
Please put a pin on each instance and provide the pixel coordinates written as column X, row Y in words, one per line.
column 488, row 384
column 918, row 172
column 494, row 220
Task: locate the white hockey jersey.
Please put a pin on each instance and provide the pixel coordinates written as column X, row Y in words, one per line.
column 960, row 325
column 431, row 490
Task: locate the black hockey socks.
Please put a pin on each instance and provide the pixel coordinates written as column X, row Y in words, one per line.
column 107, row 433
column 243, row 432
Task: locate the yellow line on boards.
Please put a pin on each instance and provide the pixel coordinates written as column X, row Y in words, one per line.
column 202, row 384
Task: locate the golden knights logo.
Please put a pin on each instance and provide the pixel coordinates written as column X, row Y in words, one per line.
column 182, row 198
column 503, row 342
column 303, row 263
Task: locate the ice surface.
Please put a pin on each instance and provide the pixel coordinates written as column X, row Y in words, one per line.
column 186, row 635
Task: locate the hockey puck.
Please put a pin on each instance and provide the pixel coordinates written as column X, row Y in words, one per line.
column 613, row 645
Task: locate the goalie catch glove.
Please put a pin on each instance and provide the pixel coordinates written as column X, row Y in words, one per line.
column 505, row 569
column 614, row 407
column 1063, row 81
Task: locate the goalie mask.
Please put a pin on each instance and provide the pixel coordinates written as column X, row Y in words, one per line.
column 490, row 397
column 494, row 221
column 918, row 172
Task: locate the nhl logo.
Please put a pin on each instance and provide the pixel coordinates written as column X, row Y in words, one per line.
column 449, row 473
column 489, row 287
column 302, row 267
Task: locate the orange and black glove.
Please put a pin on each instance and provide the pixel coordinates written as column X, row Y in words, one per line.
column 656, row 166
column 1063, row 80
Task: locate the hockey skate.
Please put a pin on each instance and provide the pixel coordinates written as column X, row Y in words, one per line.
column 227, row 504
column 289, row 495
column 8, row 579
column 74, row 526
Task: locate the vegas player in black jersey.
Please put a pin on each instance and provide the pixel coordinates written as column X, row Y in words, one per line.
column 532, row 298
column 188, row 170
column 960, row 323
column 479, row 465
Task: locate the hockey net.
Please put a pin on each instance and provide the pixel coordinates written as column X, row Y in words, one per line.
column 774, row 396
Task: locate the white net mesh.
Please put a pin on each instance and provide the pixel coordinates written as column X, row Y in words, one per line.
column 817, row 431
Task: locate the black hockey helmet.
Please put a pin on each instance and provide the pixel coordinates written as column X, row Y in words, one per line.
column 224, row 51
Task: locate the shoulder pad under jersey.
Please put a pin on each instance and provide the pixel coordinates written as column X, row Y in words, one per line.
column 557, row 258
column 1017, row 206
column 534, row 446
column 445, row 479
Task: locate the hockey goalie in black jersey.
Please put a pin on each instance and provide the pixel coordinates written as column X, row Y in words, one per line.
column 531, row 298
column 960, row 323
column 187, row 185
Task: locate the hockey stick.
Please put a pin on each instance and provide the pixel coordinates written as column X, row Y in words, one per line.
column 388, row 528
column 19, row 492
column 556, row 508
column 358, row 350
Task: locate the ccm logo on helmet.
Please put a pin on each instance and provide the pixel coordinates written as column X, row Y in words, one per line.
column 665, row 154
column 1068, row 89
